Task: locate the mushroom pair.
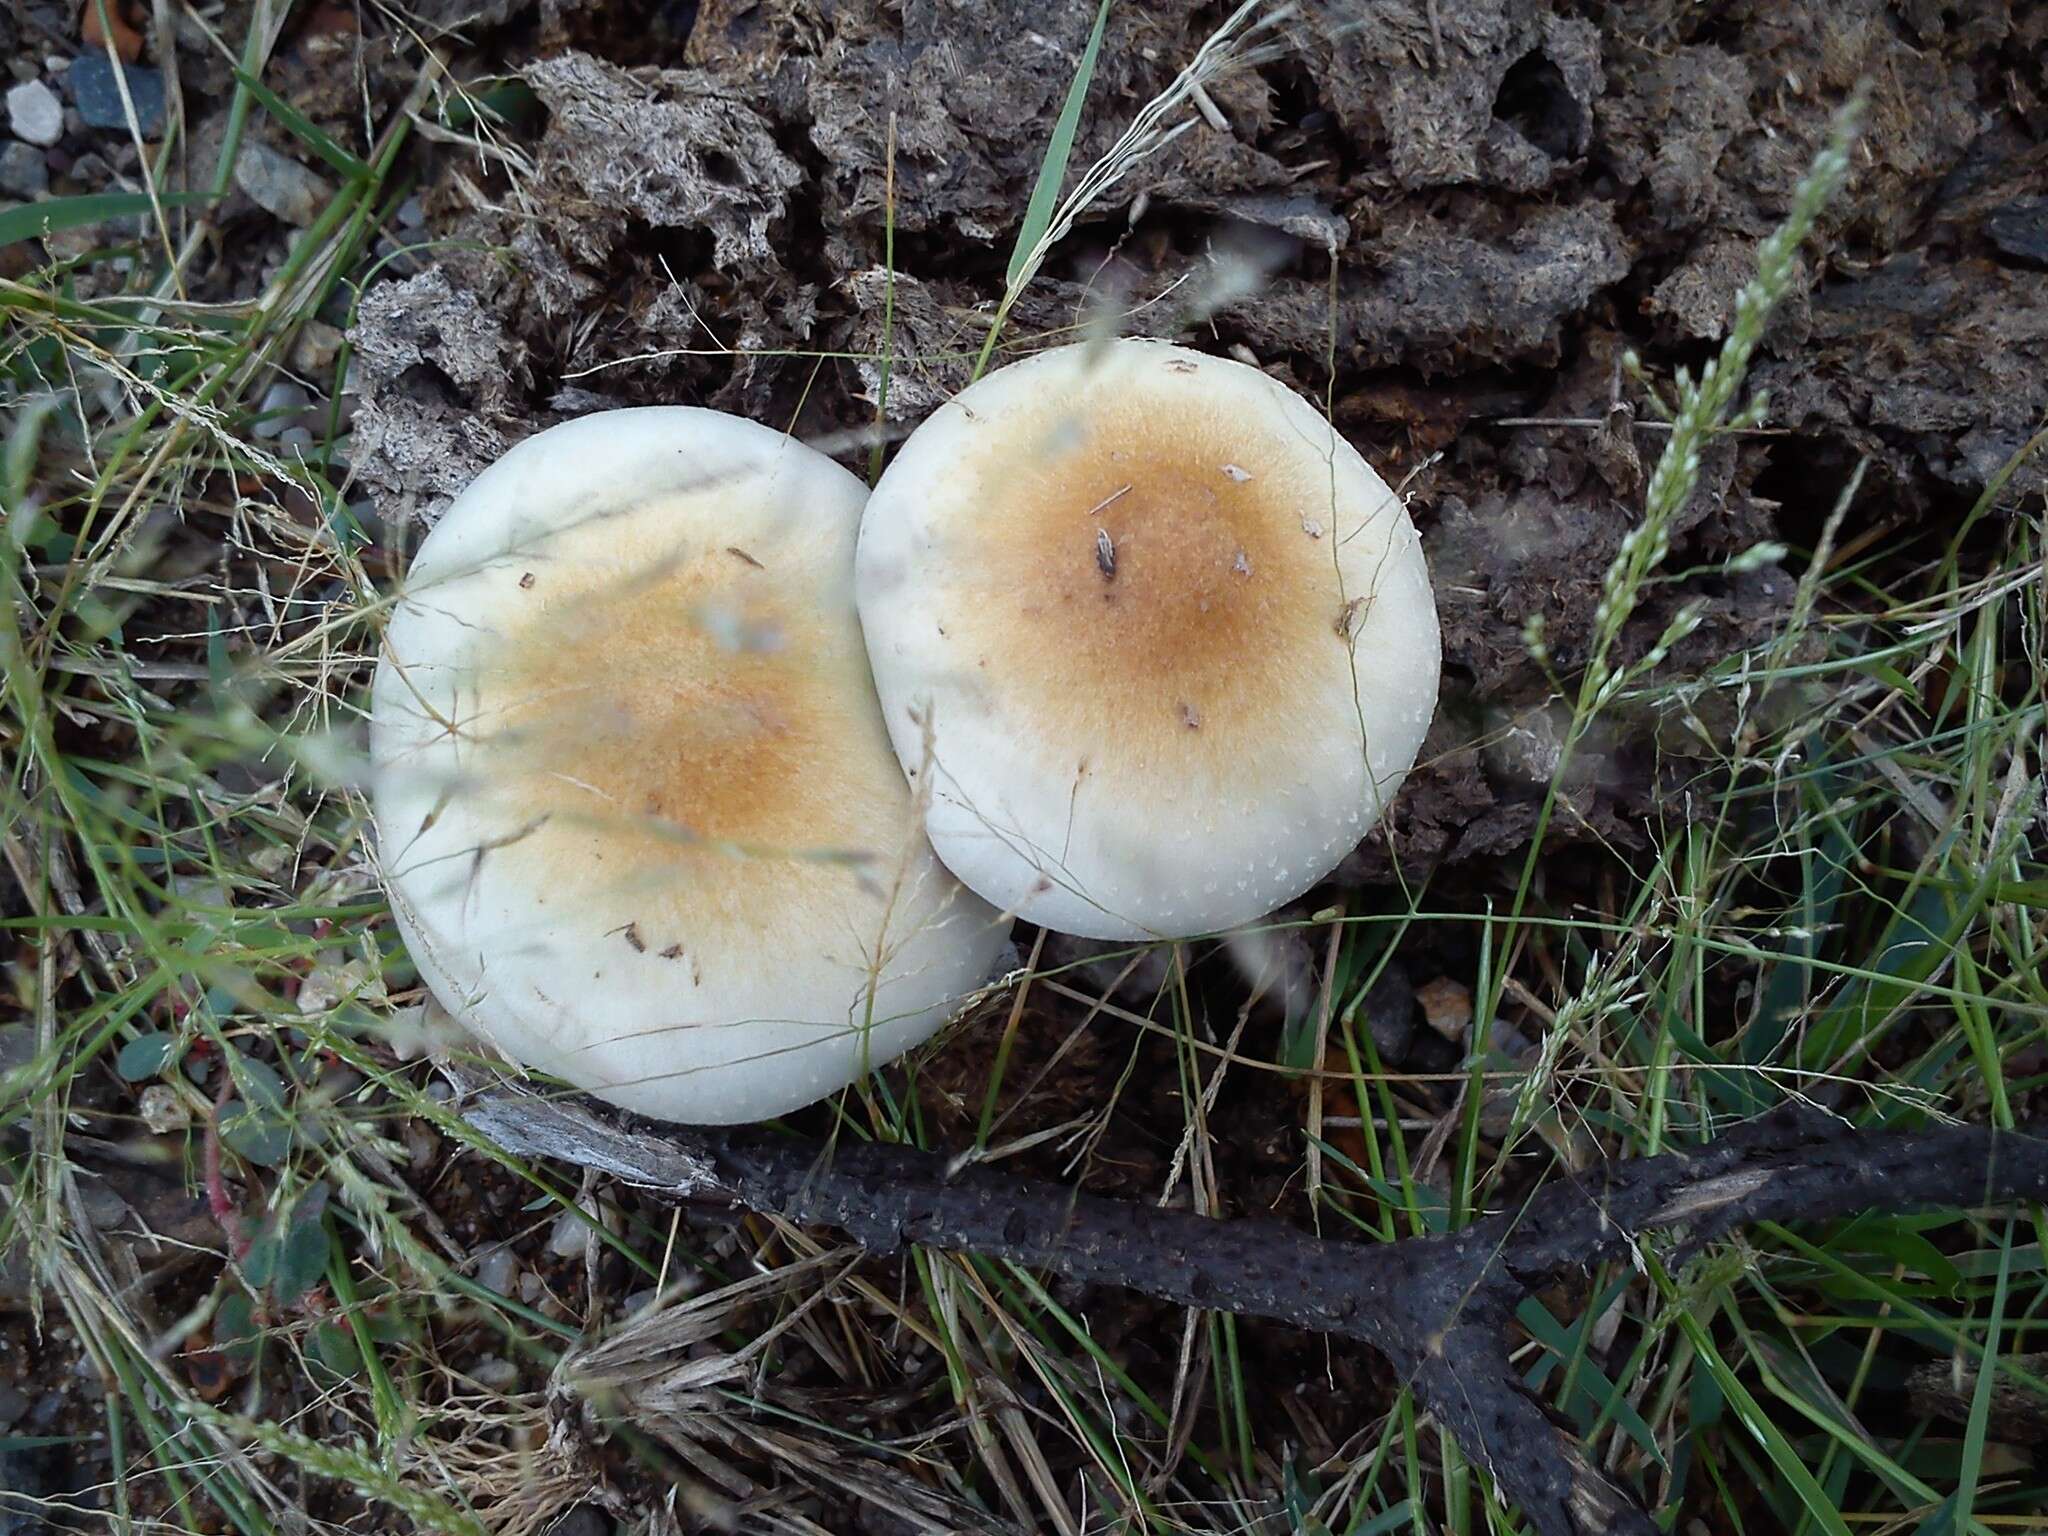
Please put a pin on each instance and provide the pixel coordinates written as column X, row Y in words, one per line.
column 1152, row 644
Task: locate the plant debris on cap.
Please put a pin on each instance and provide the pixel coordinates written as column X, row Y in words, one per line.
column 638, row 815
column 1163, row 641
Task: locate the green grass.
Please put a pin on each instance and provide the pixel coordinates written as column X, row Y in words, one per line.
column 1847, row 892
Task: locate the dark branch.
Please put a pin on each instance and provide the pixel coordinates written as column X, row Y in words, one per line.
column 1440, row 1308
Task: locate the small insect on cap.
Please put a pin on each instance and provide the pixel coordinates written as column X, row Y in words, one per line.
column 638, row 815
column 1162, row 641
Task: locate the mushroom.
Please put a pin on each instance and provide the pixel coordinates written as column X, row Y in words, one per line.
column 638, row 815
column 1160, row 640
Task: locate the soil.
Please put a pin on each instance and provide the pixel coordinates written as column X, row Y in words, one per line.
column 1461, row 216
column 1512, row 196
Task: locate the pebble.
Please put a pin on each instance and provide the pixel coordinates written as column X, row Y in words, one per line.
column 2020, row 230
column 1390, row 1015
column 97, row 94
column 104, row 1207
column 636, row 1303
column 338, row 1082
column 280, row 403
column 583, row 1520
column 571, row 1233
column 15, row 1281
column 279, row 185
column 500, row 1375
column 317, row 347
column 163, row 1111
column 34, row 114
column 1447, row 1005
column 498, row 1271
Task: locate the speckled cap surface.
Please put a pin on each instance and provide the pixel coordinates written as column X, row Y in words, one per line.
column 1161, row 640
column 638, row 815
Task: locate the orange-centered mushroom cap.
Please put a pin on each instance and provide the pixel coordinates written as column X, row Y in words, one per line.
column 1161, row 639
column 638, row 815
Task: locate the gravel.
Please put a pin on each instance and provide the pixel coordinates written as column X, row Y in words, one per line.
column 96, row 92
column 34, row 114
column 279, row 185
column 22, row 171
column 280, row 403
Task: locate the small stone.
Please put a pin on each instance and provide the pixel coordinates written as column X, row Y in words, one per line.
column 422, row 1145
column 498, row 1374
column 163, row 1111
column 637, row 1303
column 332, row 977
column 13, row 1404
column 79, row 241
column 17, row 1047
column 15, row 1280
column 338, row 1082
column 279, row 185
column 1390, row 1015
column 91, row 169
column 570, row 1235
column 22, row 171
column 498, row 1270
column 1510, row 1041
column 405, row 1033
column 1447, row 1005
column 412, row 213
column 316, row 348
column 34, row 113
column 2020, row 230
column 328, row 984
column 96, row 92
column 104, row 1207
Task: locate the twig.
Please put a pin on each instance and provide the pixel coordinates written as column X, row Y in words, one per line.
column 1440, row 1308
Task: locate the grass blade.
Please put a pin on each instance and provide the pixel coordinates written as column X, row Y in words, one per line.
column 32, row 221
column 1980, row 1399
column 304, row 129
column 1058, row 150
column 1750, row 1414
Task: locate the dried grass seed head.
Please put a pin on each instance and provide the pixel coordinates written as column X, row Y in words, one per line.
column 638, row 814
column 1171, row 639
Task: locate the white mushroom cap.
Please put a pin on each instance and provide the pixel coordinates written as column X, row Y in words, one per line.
column 1171, row 641
column 638, row 815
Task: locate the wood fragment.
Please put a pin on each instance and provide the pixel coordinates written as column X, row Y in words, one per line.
column 1439, row 1308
